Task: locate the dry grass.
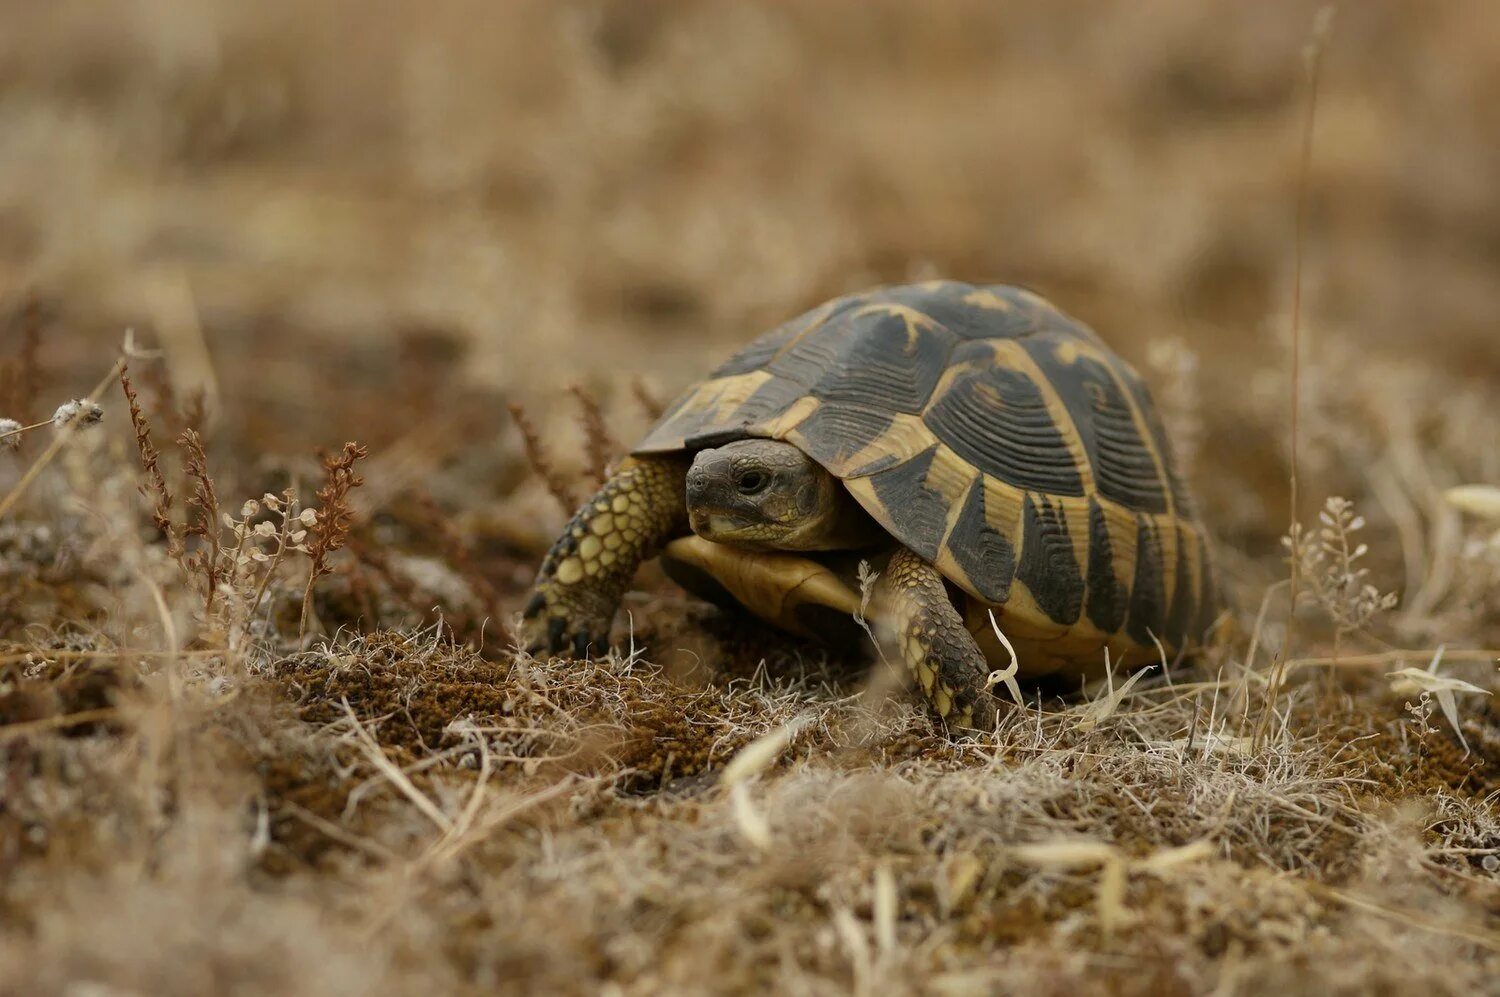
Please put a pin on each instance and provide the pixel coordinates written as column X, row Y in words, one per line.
column 575, row 209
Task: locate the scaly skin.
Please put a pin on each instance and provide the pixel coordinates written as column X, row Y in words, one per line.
column 585, row 574
column 937, row 648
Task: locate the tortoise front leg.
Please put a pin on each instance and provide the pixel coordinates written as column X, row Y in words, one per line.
column 585, row 573
column 936, row 646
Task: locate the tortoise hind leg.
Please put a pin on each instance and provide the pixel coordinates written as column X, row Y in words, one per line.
column 585, row 573
column 936, row 647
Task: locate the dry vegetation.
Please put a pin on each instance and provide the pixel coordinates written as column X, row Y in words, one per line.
column 261, row 726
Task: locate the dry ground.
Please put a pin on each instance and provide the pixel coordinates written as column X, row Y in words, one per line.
column 386, row 223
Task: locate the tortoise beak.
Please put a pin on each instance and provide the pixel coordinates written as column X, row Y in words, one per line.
column 706, row 478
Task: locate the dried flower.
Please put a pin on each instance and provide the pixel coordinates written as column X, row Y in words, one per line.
column 1328, row 558
column 80, row 412
column 10, row 434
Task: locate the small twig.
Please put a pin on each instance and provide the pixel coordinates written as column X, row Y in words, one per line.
column 1313, row 56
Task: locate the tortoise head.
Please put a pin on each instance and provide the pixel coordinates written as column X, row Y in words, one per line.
column 769, row 495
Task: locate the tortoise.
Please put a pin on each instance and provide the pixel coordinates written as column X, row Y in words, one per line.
column 1001, row 468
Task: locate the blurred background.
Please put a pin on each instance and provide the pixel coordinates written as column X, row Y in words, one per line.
column 383, row 221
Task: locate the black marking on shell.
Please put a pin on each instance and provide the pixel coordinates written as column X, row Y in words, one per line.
column 763, row 349
column 1148, row 593
column 1108, row 600
column 1182, row 501
column 996, row 419
column 985, row 554
column 975, row 322
column 1049, row 566
column 885, row 363
column 1124, row 468
column 1181, row 617
column 759, row 353
column 811, row 358
column 835, row 432
column 765, row 403
column 919, row 513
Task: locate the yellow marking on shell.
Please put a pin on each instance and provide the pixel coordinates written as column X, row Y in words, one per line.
column 950, row 476
column 613, row 541
column 987, row 299
column 902, row 440
column 590, row 547
column 716, row 402
column 1188, row 538
column 1166, row 537
column 620, row 503
column 602, row 524
column 1075, row 513
column 796, row 413
column 570, row 571
column 1123, row 530
column 607, row 557
column 915, row 320
column 1066, row 352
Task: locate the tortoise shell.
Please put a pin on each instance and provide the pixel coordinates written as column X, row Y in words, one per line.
column 996, row 437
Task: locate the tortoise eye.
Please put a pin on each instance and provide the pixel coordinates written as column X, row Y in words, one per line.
column 751, row 482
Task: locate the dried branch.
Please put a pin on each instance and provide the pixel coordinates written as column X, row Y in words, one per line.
column 334, row 516
column 205, row 523
column 652, row 406
column 155, row 489
column 536, row 455
column 599, row 446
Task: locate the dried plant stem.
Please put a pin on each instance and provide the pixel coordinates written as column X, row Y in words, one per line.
column 649, row 403
column 536, row 455
column 1313, row 56
column 206, row 500
column 156, row 483
column 335, row 517
column 599, row 446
